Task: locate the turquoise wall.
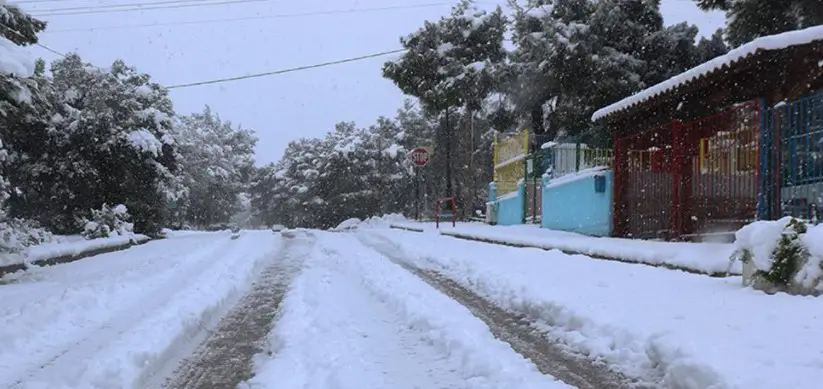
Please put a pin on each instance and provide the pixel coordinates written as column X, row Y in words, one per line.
column 510, row 207
column 574, row 206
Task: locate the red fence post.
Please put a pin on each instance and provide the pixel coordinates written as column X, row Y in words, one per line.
column 617, row 198
column 454, row 213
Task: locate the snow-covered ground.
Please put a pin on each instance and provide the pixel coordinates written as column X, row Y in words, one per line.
column 682, row 330
column 355, row 320
column 353, row 317
column 710, row 258
column 111, row 320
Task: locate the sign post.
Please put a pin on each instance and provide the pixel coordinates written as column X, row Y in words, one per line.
column 419, row 158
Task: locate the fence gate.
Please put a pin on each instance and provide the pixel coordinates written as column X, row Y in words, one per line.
column 643, row 183
column 793, row 145
column 534, row 187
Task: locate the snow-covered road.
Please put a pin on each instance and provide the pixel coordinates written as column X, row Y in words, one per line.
column 380, row 308
column 112, row 320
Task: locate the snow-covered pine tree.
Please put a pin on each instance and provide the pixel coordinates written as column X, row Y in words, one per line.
column 747, row 20
column 116, row 139
column 216, row 161
column 447, row 66
column 19, row 95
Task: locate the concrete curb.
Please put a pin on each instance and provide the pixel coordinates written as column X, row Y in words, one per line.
column 407, row 228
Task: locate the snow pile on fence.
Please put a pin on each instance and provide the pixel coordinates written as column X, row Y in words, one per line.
column 677, row 330
column 574, row 176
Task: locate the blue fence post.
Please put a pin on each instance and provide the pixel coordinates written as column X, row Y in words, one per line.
column 764, row 193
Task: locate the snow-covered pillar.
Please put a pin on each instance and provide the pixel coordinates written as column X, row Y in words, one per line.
column 492, row 192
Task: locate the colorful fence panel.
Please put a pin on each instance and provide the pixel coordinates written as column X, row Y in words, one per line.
column 793, row 149
column 718, row 171
column 643, row 183
column 509, row 161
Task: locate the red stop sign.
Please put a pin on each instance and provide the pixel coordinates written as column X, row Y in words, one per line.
column 419, row 157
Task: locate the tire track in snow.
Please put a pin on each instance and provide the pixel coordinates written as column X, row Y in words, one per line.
column 515, row 329
column 224, row 359
column 62, row 364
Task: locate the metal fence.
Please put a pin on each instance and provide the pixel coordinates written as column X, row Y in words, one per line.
column 644, row 183
column 718, row 171
column 558, row 160
column 510, row 154
column 793, row 151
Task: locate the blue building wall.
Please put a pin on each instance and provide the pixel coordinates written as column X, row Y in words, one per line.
column 573, row 205
column 510, row 207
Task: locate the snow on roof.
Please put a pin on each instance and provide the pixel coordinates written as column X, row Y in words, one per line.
column 771, row 42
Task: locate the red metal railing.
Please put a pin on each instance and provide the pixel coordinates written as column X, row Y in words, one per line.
column 643, row 183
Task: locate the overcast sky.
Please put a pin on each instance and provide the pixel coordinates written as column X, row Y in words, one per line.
column 279, row 108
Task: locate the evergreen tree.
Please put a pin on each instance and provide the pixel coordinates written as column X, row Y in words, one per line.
column 216, row 163
column 747, row 20
column 110, row 143
column 450, row 64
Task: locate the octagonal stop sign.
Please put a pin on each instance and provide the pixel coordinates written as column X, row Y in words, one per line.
column 419, row 157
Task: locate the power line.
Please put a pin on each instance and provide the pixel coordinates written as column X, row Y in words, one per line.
column 109, row 6
column 262, row 17
column 290, row 70
column 18, row 33
column 168, row 6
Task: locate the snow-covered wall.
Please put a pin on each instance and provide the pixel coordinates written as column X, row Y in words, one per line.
column 572, row 203
column 511, row 207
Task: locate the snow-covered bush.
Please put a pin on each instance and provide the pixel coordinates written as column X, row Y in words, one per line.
column 783, row 255
column 108, row 221
column 17, row 234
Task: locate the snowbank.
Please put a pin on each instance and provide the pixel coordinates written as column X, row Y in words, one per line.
column 342, row 348
column 757, row 242
column 373, row 222
column 678, row 330
column 705, row 258
column 125, row 313
column 62, row 249
column 68, row 248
